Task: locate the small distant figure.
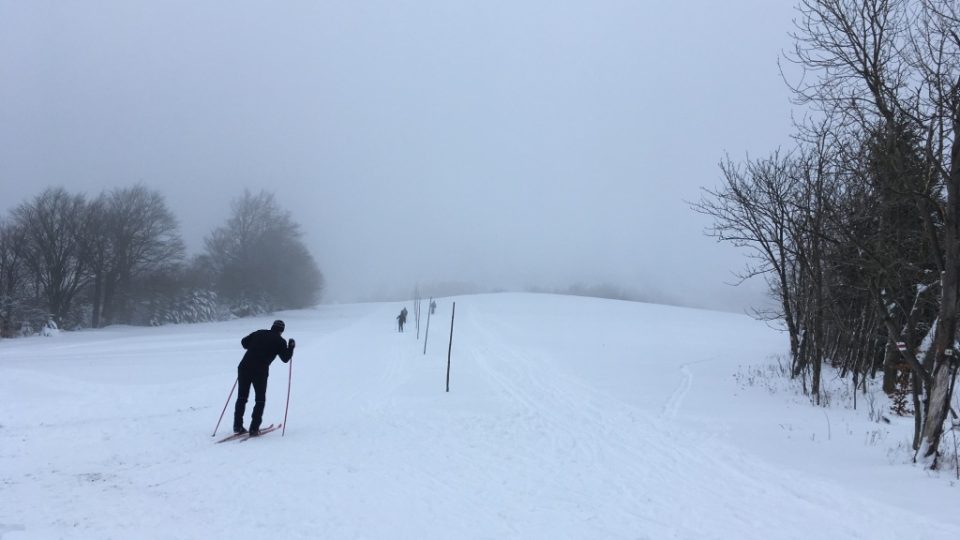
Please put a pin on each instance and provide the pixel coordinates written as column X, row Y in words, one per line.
column 433, row 307
column 401, row 319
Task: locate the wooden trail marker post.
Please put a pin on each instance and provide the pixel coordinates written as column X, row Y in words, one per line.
column 450, row 346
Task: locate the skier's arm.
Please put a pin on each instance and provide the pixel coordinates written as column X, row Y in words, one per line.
column 246, row 341
column 286, row 353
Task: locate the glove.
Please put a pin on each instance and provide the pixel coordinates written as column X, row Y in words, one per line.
column 292, row 343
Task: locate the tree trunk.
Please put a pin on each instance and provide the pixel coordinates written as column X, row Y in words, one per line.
column 97, row 305
column 917, row 409
column 938, row 400
column 109, row 290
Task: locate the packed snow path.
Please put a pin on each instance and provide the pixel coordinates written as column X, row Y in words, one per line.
column 567, row 418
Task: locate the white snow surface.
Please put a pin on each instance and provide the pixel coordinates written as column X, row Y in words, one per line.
column 567, row 418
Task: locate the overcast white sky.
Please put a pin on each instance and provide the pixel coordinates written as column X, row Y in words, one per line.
column 507, row 143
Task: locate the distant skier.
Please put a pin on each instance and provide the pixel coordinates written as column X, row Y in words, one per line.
column 401, row 319
column 262, row 346
column 433, row 307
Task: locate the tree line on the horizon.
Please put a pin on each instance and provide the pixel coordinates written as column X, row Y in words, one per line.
column 69, row 261
column 857, row 227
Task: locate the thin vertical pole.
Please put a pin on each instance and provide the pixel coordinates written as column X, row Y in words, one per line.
column 287, row 409
column 225, row 406
column 426, row 333
column 450, row 346
column 418, row 318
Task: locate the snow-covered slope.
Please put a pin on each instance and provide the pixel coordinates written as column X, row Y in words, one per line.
column 567, row 418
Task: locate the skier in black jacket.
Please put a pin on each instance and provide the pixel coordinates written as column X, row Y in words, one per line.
column 262, row 347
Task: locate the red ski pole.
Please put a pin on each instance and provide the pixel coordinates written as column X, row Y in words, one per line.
column 225, row 407
column 287, row 409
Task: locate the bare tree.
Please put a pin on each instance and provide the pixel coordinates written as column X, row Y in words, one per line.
column 53, row 223
column 258, row 259
column 751, row 210
column 937, row 55
column 12, row 276
column 130, row 233
column 854, row 51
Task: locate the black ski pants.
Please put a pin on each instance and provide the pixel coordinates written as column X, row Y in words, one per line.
column 246, row 378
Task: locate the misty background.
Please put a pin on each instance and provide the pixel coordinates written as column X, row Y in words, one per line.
column 504, row 145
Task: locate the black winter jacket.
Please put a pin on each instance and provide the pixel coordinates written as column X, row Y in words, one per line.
column 262, row 347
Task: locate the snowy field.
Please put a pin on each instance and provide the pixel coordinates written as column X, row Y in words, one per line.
column 567, row 418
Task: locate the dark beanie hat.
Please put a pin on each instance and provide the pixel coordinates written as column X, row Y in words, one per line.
column 278, row 325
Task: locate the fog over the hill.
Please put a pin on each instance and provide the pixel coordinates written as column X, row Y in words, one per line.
column 505, row 145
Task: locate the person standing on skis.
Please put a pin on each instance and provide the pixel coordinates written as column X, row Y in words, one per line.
column 262, row 346
column 402, row 319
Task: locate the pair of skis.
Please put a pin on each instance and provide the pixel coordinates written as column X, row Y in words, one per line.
column 246, row 435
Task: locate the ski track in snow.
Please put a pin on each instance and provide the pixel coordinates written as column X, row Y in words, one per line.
column 672, row 406
column 522, row 447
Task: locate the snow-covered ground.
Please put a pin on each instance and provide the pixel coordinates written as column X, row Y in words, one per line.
column 567, row 418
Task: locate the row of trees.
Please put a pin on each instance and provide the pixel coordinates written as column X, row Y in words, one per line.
column 857, row 228
column 72, row 262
